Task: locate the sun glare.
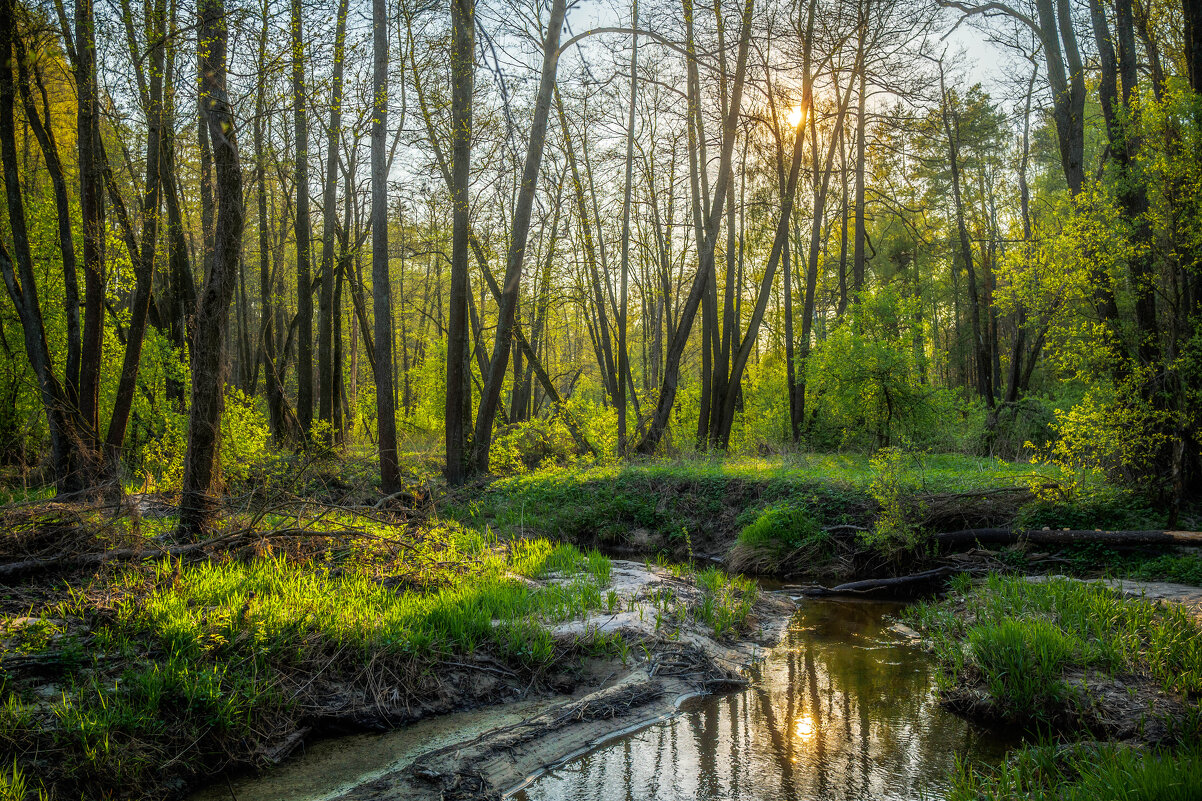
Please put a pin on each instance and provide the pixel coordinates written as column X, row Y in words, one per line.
column 805, row 728
column 795, row 116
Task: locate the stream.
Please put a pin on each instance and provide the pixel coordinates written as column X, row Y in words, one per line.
column 842, row 709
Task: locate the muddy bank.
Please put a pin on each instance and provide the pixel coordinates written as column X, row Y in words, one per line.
column 673, row 655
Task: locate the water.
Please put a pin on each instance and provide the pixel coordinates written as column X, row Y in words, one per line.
column 841, row 710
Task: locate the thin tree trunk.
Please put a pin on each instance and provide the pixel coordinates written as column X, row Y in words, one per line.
column 667, row 394
column 385, row 407
column 458, row 400
column 326, row 390
column 623, row 356
column 144, row 263
column 304, row 279
column 491, row 394
column 91, row 194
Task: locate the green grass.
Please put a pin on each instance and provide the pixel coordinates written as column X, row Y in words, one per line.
column 726, row 600
column 707, row 496
column 783, row 526
column 1084, row 773
column 1020, row 640
column 214, row 657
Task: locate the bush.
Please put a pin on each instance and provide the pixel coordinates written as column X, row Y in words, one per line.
column 245, row 434
column 869, row 390
column 783, row 527
column 519, row 447
column 893, row 533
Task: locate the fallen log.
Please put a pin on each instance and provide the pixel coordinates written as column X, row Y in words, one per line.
column 883, row 586
column 1056, row 537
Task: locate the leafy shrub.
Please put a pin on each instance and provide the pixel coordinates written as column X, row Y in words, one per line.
column 893, row 533
column 525, row 446
column 783, row 527
column 245, row 434
column 867, row 381
column 1114, row 432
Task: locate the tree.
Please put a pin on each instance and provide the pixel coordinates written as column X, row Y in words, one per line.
column 381, row 302
column 197, row 498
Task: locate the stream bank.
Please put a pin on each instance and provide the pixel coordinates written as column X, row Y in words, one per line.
column 484, row 753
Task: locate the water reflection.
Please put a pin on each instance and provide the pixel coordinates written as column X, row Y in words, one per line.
column 841, row 710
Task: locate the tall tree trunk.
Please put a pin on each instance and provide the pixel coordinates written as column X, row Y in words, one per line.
column 273, row 384
column 459, row 388
column 326, row 390
column 980, row 346
column 44, row 132
column 201, row 475
column 861, row 231
column 75, row 462
column 1191, row 12
column 91, row 202
column 304, row 278
column 143, row 261
column 667, row 394
column 385, row 408
column 623, row 355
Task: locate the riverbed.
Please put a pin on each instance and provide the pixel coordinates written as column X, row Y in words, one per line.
column 844, row 707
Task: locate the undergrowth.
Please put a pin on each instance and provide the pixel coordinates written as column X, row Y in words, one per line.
column 171, row 669
column 1087, row 772
column 1019, row 641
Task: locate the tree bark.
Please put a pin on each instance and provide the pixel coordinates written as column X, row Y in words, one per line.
column 91, row 202
column 304, row 279
column 458, row 400
column 623, row 355
column 667, row 393
column 325, row 304
column 385, row 410
column 201, row 474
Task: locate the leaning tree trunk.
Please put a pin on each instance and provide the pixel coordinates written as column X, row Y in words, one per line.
column 201, row 479
column 491, row 395
column 667, row 393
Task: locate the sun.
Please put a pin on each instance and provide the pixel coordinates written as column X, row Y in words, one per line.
column 795, row 116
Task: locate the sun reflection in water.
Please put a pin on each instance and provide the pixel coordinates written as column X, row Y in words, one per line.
column 805, row 728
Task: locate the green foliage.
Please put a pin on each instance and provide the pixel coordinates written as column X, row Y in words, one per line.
column 868, row 385
column 893, row 533
column 245, row 435
column 1020, row 639
column 1115, row 431
column 784, row 526
column 1023, row 663
column 1086, row 772
column 535, row 443
column 726, row 601
column 15, row 786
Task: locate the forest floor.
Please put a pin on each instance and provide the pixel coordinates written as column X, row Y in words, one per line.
column 138, row 666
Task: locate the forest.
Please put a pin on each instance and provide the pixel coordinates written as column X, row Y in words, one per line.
column 362, row 365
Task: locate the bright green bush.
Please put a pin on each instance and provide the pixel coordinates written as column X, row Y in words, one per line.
column 783, row 527
column 868, row 389
column 535, row 443
column 245, row 436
